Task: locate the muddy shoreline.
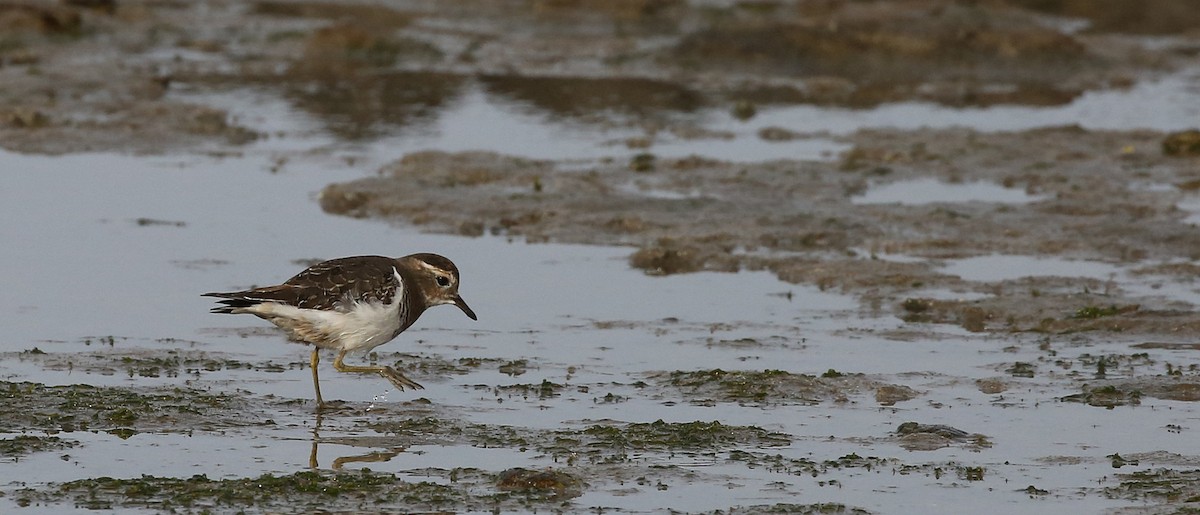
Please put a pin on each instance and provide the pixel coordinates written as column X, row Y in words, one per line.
column 1094, row 195
column 1109, row 213
column 102, row 78
column 800, row 219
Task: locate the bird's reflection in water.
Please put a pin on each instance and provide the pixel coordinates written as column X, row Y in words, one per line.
column 338, row 463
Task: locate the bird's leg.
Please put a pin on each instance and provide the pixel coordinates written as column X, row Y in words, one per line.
column 397, row 379
column 316, row 358
column 312, row 455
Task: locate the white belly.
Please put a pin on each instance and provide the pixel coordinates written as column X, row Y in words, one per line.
column 364, row 326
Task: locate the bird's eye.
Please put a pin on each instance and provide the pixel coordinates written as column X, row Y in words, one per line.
column 443, row 281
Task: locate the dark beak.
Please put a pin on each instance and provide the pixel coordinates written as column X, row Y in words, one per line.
column 462, row 304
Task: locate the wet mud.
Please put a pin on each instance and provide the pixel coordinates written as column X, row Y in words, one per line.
column 1089, row 199
column 1101, row 223
column 366, row 68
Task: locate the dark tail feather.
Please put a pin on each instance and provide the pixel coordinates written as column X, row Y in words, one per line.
column 231, row 302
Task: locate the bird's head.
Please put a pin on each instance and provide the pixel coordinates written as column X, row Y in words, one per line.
column 437, row 277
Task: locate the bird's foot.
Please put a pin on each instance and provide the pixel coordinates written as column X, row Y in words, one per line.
column 398, row 379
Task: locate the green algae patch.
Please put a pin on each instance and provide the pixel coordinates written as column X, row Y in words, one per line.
column 308, row 489
column 1092, row 312
column 430, row 430
column 433, row 365
column 143, row 363
column 780, row 464
column 194, row 363
column 597, row 443
column 1107, row 396
column 22, row 445
column 1114, row 364
column 1130, row 392
column 175, row 363
column 362, row 491
column 544, row 390
column 32, row 406
column 768, row 386
column 623, row 442
column 1111, row 318
column 801, row 509
column 659, row 436
column 852, row 465
column 1157, row 485
column 540, row 483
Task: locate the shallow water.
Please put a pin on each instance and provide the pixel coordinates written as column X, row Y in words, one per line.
column 998, row 267
column 478, row 120
column 930, row 191
column 122, row 246
column 1166, row 104
column 1004, row 267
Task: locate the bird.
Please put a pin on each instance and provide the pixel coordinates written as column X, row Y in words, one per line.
column 352, row 304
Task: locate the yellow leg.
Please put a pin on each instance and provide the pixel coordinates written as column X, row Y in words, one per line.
column 397, row 379
column 312, row 456
column 316, row 358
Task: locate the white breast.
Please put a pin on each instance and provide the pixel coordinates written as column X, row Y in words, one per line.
column 357, row 325
column 366, row 325
column 369, row 325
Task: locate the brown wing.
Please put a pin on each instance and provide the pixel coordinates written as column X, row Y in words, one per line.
column 327, row 285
